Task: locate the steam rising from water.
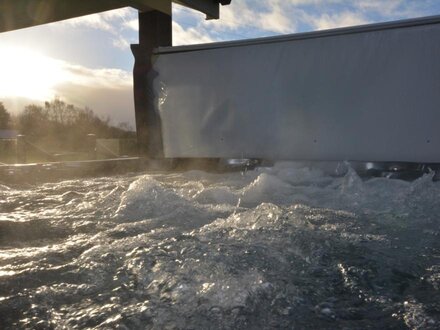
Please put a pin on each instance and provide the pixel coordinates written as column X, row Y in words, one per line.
column 278, row 247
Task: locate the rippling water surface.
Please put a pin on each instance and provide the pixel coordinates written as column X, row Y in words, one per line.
column 281, row 247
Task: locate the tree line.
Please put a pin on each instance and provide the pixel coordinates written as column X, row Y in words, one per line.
column 60, row 125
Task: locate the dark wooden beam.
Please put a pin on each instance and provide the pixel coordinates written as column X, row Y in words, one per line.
column 18, row 14
column 210, row 8
column 155, row 30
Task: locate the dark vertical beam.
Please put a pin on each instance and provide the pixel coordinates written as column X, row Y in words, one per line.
column 155, row 30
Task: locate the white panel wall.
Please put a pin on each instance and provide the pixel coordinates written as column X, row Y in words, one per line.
column 368, row 94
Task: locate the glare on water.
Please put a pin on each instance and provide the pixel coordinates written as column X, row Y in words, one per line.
column 282, row 247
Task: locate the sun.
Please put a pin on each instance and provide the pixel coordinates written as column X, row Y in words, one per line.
column 29, row 74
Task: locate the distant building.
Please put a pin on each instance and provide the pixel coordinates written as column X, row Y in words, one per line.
column 8, row 134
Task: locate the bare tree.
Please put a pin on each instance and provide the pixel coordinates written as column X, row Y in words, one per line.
column 5, row 117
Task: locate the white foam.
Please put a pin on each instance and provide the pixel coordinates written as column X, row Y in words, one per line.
column 170, row 248
column 266, row 188
column 217, row 195
column 147, row 198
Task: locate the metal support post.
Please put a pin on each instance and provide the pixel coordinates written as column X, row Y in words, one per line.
column 155, row 30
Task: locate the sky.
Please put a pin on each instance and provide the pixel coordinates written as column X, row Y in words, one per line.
column 87, row 61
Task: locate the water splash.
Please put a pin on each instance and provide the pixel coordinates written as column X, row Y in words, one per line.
column 287, row 246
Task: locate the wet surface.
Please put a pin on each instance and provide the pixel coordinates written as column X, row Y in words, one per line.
column 282, row 247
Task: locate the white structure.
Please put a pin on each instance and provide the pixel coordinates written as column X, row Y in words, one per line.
column 367, row 93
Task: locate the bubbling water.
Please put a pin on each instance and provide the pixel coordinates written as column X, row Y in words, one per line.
column 280, row 247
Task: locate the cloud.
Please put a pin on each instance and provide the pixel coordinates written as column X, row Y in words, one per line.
column 108, row 91
column 106, row 100
column 132, row 24
column 117, row 104
column 188, row 36
column 398, row 9
column 244, row 14
column 312, row 2
column 276, row 20
column 107, row 21
column 234, row 23
column 182, row 35
column 248, row 18
column 95, row 21
column 121, row 43
column 115, row 22
column 329, row 21
column 385, row 8
column 33, row 77
column 105, row 77
column 252, row 18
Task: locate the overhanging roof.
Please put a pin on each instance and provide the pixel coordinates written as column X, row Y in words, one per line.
column 18, row 14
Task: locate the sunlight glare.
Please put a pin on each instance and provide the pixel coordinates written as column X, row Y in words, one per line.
column 26, row 73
